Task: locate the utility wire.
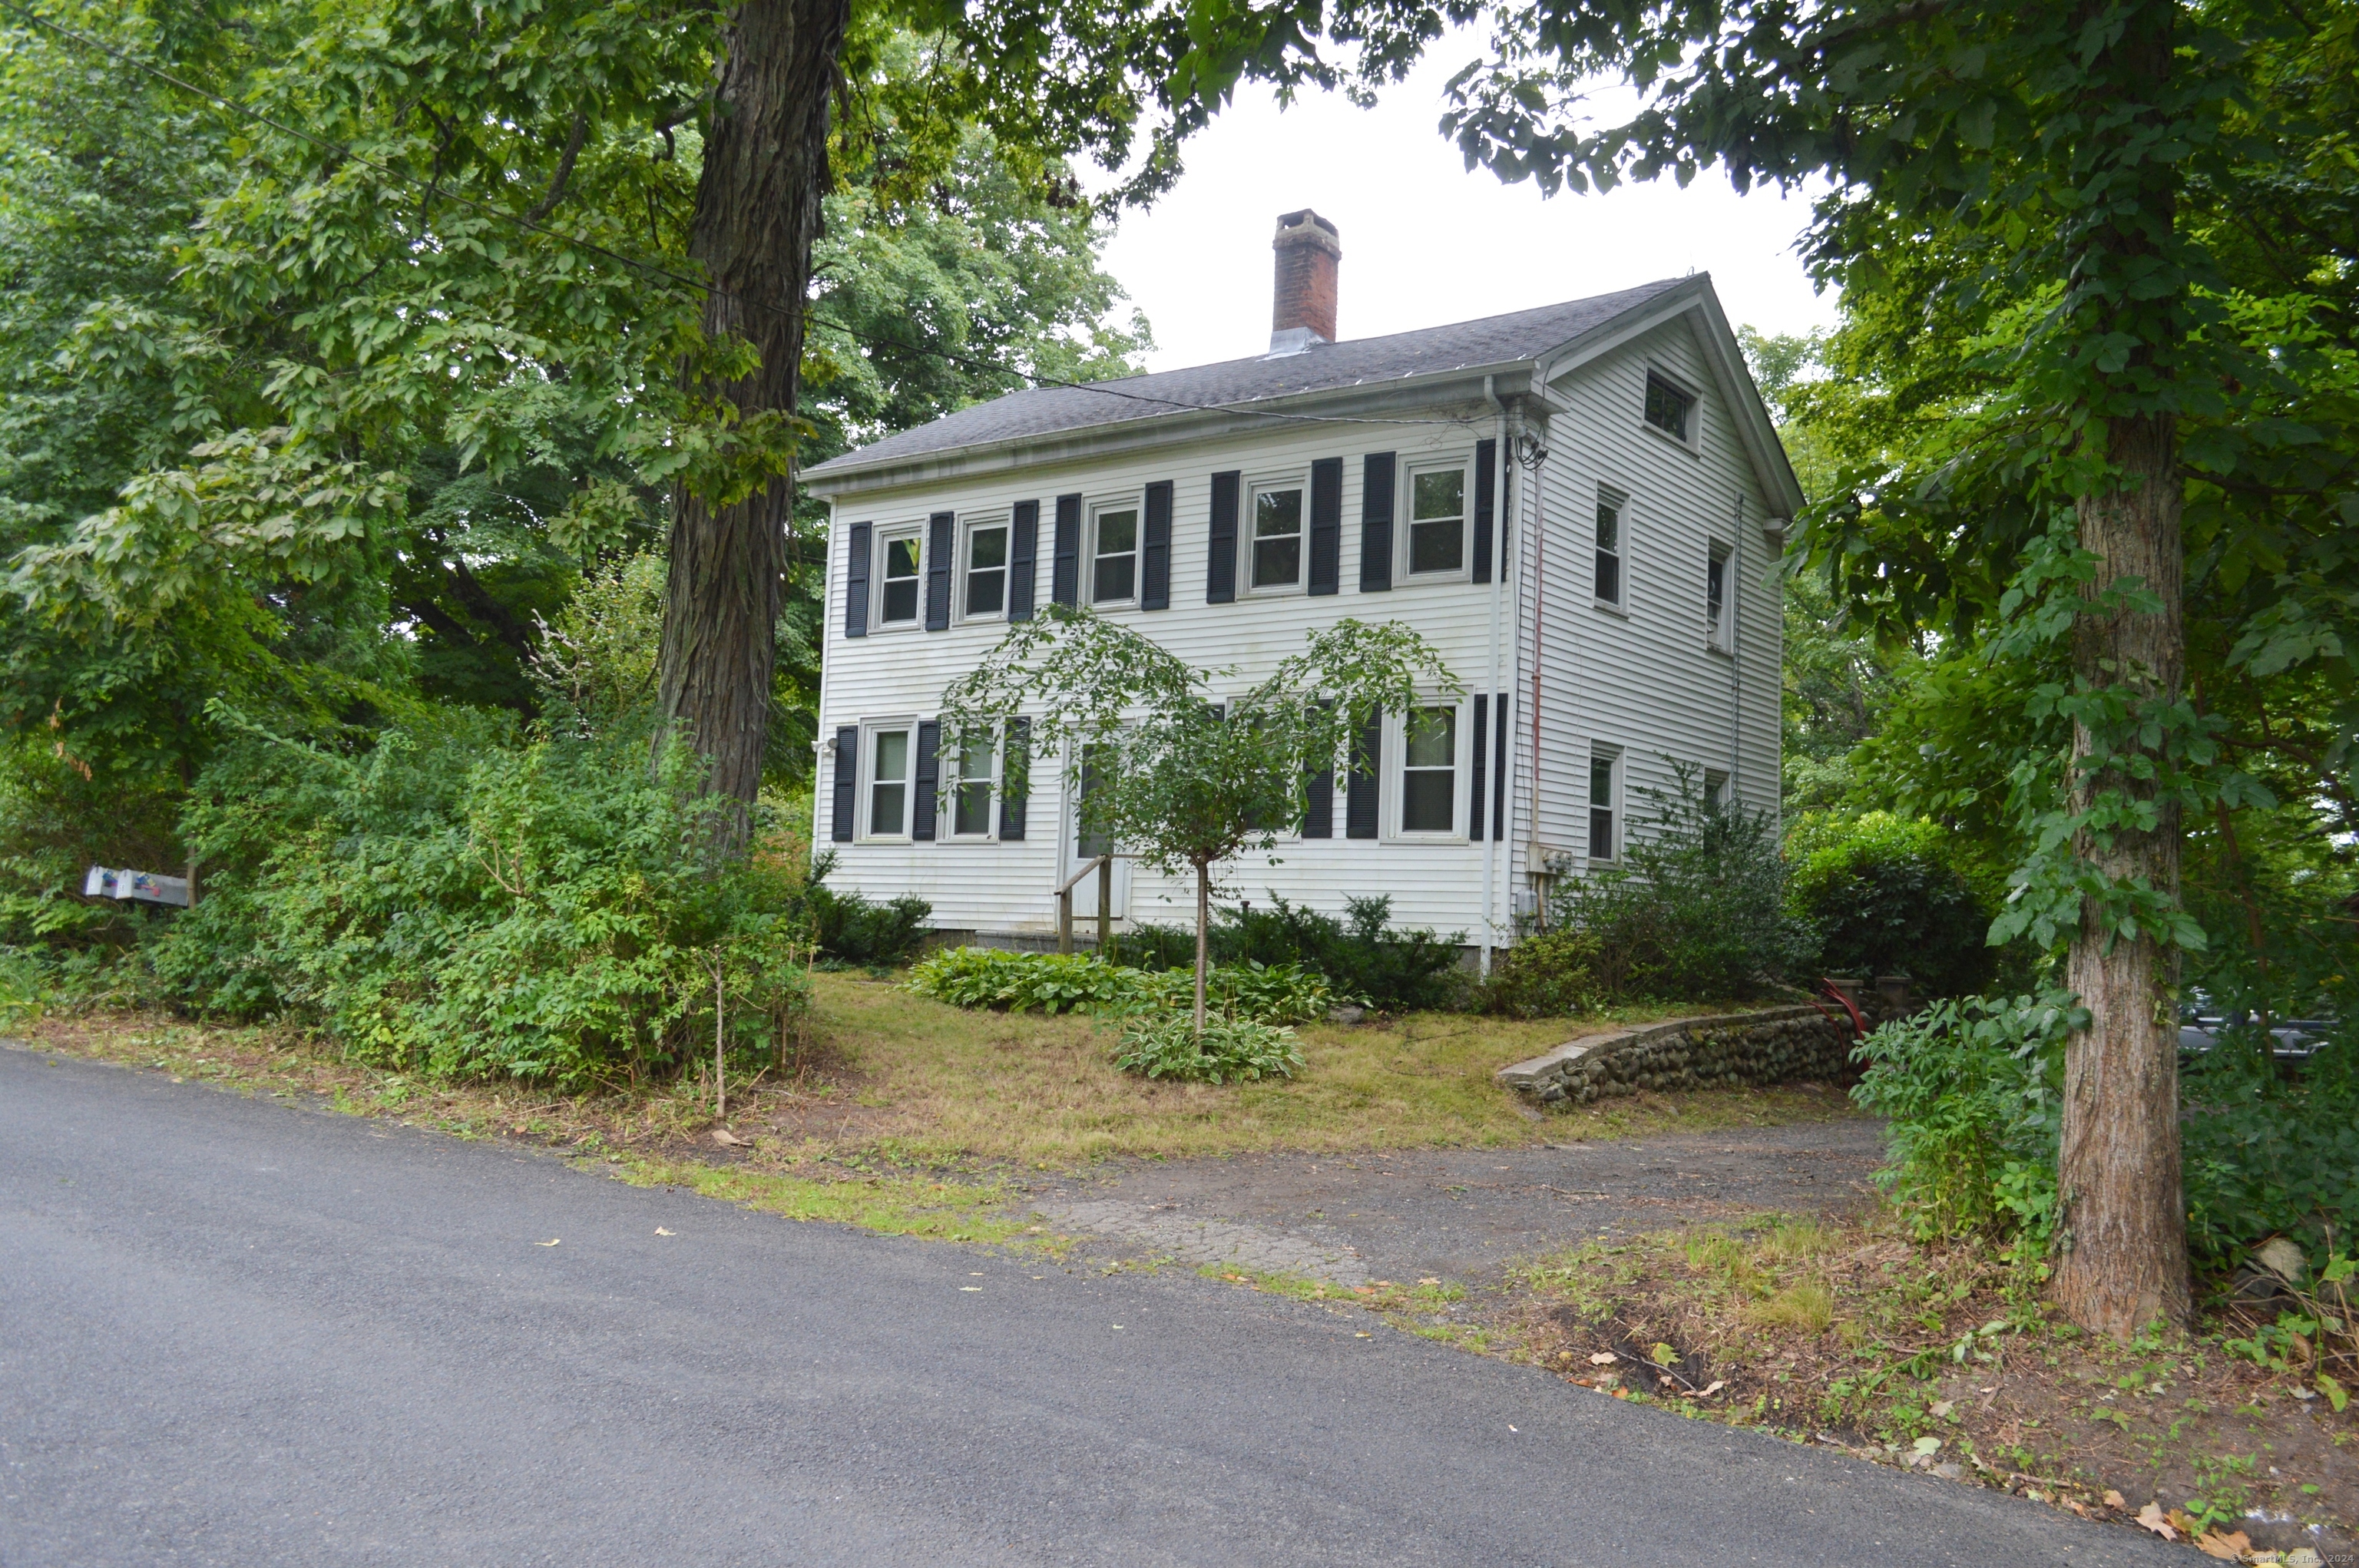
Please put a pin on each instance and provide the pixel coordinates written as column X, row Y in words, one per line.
column 654, row 270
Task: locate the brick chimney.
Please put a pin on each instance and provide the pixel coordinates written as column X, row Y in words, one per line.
column 1304, row 311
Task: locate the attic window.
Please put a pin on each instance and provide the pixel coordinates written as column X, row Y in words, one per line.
column 1669, row 409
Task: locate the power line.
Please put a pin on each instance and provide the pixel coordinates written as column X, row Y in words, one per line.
column 655, row 269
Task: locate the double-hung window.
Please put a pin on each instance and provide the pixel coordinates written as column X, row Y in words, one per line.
column 902, row 556
column 1429, row 795
column 1437, row 520
column 985, row 594
column 978, row 780
column 1670, row 408
column 1715, row 596
column 1602, row 781
column 1608, row 582
column 1276, row 537
column 1113, row 555
column 890, row 753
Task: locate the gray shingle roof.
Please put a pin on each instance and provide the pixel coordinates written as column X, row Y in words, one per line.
column 1047, row 411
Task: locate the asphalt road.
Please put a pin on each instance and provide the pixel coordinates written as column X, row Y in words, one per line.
column 242, row 1334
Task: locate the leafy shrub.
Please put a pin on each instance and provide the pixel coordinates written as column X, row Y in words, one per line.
column 2274, row 1155
column 1026, row 982
column 1269, row 992
column 1885, row 898
column 1694, row 911
column 1083, row 983
column 1154, row 947
column 858, row 929
column 456, row 903
column 1230, row 1050
column 1548, row 975
column 1972, row 1091
column 1363, row 957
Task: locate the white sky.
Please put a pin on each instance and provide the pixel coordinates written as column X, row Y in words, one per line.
column 1425, row 242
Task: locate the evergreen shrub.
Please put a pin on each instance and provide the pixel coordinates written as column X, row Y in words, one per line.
column 1885, row 898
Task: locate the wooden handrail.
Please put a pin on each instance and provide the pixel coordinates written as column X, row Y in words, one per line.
column 1105, row 904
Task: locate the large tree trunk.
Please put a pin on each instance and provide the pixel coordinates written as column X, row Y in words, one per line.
column 2123, row 1215
column 758, row 213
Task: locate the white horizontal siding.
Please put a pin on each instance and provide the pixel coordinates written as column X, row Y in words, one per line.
column 1645, row 684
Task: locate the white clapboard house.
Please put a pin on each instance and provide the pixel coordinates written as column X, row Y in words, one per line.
column 1578, row 505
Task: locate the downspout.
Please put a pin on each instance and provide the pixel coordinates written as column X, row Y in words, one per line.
column 1501, row 457
column 1736, row 654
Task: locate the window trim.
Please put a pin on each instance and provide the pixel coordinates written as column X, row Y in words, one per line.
column 1618, row 500
column 968, row 527
column 1691, row 443
column 1404, row 523
column 1716, row 790
column 1135, row 503
column 1718, row 630
column 957, row 781
column 1618, row 828
column 1393, row 801
column 886, row 536
column 1251, row 491
column 869, row 730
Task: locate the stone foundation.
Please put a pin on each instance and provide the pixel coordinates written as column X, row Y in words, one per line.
column 1775, row 1045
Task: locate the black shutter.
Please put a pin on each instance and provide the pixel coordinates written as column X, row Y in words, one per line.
column 1011, row 801
column 923, row 812
column 1220, row 562
column 1155, row 551
column 1486, row 472
column 847, row 777
column 1065, row 572
column 1499, row 772
column 1319, row 791
column 1376, row 523
column 856, row 582
column 1482, row 740
column 1022, row 551
column 1367, row 774
column 1326, row 524
column 940, row 529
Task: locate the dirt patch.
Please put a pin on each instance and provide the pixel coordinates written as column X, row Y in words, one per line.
column 1846, row 1332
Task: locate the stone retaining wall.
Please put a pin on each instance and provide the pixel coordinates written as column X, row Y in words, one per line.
column 1773, row 1046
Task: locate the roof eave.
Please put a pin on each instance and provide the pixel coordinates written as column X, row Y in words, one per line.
column 1150, row 431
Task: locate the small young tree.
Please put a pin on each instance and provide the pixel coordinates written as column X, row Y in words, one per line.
column 1178, row 778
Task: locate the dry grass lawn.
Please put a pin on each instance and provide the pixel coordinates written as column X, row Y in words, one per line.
column 934, row 1082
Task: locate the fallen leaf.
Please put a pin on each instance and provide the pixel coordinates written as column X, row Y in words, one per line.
column 1665, row 1356
column 2231, row 1546
column 548, row 1243
column 2151, row 1516
column 1603, row 1359
column 1709, row 1389
column 1944, row 1407
column 1928, row 1445
column 728, row 1139
column 2115, row 1500
column 2182, row 1523
column 660, row 1231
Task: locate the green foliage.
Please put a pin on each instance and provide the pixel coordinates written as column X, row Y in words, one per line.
column 1083, row 983
column 1971, row 1092
column 858, row 929
column 1549, row 972
column 1694, row 911
column 1885, row 899
column 461, row 905
column 1365, row 958
column 1227, row 1050
column 1265, row 993
column 1024, row 981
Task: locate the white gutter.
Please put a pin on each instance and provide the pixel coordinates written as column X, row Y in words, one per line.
column 1503, row 458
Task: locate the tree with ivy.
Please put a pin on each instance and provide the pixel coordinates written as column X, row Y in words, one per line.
column 1181, row 779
